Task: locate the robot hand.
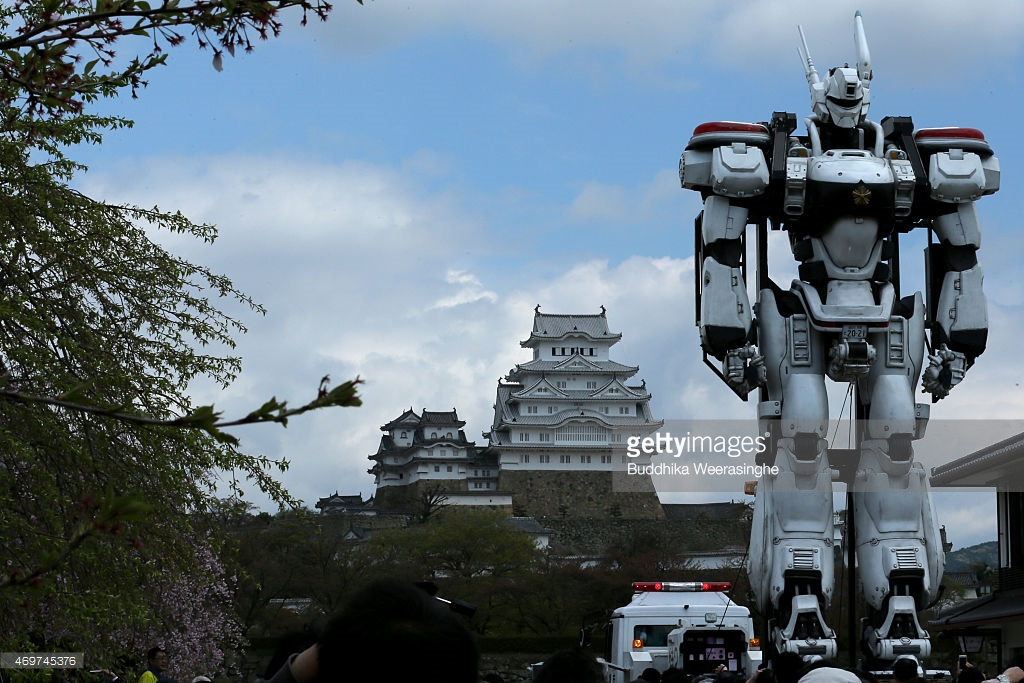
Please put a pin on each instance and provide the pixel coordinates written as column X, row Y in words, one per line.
column 945, row 370
column 744, row 369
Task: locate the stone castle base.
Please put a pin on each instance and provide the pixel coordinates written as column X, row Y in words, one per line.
column 413, row 498
column 575, row 494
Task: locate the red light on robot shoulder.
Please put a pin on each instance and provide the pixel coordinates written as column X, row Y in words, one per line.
column 724, row 133
column 730, row 127
column 932, row 140
column 951, row 132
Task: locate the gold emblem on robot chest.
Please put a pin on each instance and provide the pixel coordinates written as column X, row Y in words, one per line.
column 861, row 195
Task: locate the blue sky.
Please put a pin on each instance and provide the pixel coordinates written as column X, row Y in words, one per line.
column 402, row 184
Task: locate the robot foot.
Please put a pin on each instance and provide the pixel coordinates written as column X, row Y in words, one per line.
column 899, row 634
column 805, row 631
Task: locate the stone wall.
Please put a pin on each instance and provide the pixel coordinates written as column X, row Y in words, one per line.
column 576, row 494
column 410, row 498
column 680, row 537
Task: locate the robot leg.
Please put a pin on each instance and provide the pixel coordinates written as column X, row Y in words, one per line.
column 899, row 558
column 899, row 551
column 791, row 561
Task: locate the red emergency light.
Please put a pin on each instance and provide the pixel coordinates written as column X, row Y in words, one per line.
column 682, row 586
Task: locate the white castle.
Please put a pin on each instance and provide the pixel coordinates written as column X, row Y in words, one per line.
column 552, row 444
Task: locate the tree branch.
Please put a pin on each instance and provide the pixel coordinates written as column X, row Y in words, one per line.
column 204, row 418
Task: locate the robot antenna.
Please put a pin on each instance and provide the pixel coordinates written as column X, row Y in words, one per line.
column 805, row 57
column 863, row 54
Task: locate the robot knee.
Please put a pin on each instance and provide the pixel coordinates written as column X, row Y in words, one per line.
column 806, row 446
column 901, row 448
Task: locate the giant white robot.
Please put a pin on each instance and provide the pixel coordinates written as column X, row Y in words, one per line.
column 843, row 193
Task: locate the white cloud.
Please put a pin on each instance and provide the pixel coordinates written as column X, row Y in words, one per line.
column 368, row 273
column 470, row 290
column 969, row 516
column 759, row 35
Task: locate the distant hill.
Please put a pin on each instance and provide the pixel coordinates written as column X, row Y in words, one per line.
column 962, row 560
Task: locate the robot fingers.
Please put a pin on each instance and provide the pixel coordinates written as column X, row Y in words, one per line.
column 945, row 370
column 744, row 368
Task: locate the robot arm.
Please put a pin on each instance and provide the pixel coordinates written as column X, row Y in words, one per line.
column 725, row 317
column 725, row 161
column 961, row 168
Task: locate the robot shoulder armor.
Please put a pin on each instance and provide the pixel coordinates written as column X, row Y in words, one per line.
column 726, row 158
column 961, row 165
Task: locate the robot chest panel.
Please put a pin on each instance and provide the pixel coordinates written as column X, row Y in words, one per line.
column 850, row 182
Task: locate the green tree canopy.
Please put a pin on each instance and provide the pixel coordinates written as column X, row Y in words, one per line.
column 108, row 472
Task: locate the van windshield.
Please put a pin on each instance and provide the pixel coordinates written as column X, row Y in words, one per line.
column 653, row 635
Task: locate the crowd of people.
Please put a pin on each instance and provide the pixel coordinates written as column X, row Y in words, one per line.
column 397, row 631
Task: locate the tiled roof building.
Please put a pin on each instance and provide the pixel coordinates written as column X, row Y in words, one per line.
column 429, row 454
column 559, row 417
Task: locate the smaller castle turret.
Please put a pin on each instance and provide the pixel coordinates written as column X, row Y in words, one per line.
column 428, row 453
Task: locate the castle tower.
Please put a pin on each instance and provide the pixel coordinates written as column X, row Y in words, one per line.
column 428, row 454
column 558, row 418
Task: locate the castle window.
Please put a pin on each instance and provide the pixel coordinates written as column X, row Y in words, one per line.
column 545, row 458
column 565, row 459
column 561, row 384
column 405, row 435
column 433, row 435
column 544, row 436
column 524, row 436
column 607, row 459
column 591, row 385
column 531, row 409
column 437, row 468
column 585, row 459
column 526, row 458
column 581, row 433
column 623, row 410
column 449, row 468
column 551, row 409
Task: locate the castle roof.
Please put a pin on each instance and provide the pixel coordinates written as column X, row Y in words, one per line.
column 507, row 413
column 448, row 418
column 408, row 419
column 570, row 365
column 548, row 326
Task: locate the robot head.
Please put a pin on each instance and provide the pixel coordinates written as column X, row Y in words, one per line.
column 843, row 98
